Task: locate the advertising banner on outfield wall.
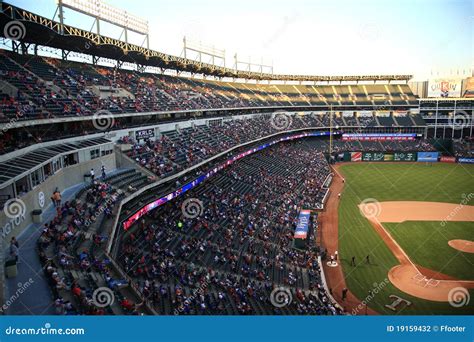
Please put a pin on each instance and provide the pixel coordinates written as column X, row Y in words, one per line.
column 466, row 160
column 396, row 156
column 356, row 156
column 404, row 156
column 446, row 159
column 372, row 156
column 431, row 157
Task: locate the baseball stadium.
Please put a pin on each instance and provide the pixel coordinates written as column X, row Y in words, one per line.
column 139, row 182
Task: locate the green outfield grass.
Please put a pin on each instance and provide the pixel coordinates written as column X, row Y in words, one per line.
column 424, row 242
column 427, row 244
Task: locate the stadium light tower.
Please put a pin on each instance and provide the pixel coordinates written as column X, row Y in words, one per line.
column 102, row 11
column 250, row 66
column 206, row 50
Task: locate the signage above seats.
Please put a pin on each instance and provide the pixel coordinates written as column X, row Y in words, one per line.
column 379, row 136
column 301, row 231
column 145, row 133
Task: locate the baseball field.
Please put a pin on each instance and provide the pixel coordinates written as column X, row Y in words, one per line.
column 414, row 221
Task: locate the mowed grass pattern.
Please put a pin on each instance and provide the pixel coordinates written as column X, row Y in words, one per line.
column 427, row 244
column 394, row 182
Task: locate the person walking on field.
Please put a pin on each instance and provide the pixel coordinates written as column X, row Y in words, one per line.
column 353, row 261
column 335, row 255
column 344, row 294
column 367, row 259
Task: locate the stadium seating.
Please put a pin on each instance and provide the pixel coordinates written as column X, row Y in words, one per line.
column 54, row 87
column 179, row 150
column 71, row 249
column 231, row 256
column 463, row 148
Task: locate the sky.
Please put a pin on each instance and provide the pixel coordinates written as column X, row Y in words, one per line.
column 425, row 38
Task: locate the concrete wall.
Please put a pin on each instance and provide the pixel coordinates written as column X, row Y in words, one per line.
column 125, row 162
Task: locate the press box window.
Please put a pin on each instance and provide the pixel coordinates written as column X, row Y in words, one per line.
column 95, row 154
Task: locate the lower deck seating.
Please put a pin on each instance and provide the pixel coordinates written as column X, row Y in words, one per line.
column 71, row 250
column 230, row 258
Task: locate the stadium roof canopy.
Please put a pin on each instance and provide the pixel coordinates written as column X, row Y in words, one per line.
column 17, row 167
column 46, row 32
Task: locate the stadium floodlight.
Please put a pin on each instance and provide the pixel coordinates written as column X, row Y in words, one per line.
column 103, row 11
column 251, row 65
column 203, row 49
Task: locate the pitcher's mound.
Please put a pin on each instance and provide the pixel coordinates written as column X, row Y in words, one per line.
column 462, row 245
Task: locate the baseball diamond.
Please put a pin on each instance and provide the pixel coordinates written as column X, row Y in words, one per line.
column 417, row 229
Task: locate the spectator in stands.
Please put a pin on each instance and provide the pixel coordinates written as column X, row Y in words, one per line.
column 14, row 249
column 56, row 198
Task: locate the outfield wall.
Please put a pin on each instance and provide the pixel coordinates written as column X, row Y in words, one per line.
column 400, row 156
column 403, row 156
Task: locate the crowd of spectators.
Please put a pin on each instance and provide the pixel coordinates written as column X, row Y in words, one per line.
column 230, row 258
column 68, row 90
column 463, row 148
column 178, row 150
column 68, row 247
